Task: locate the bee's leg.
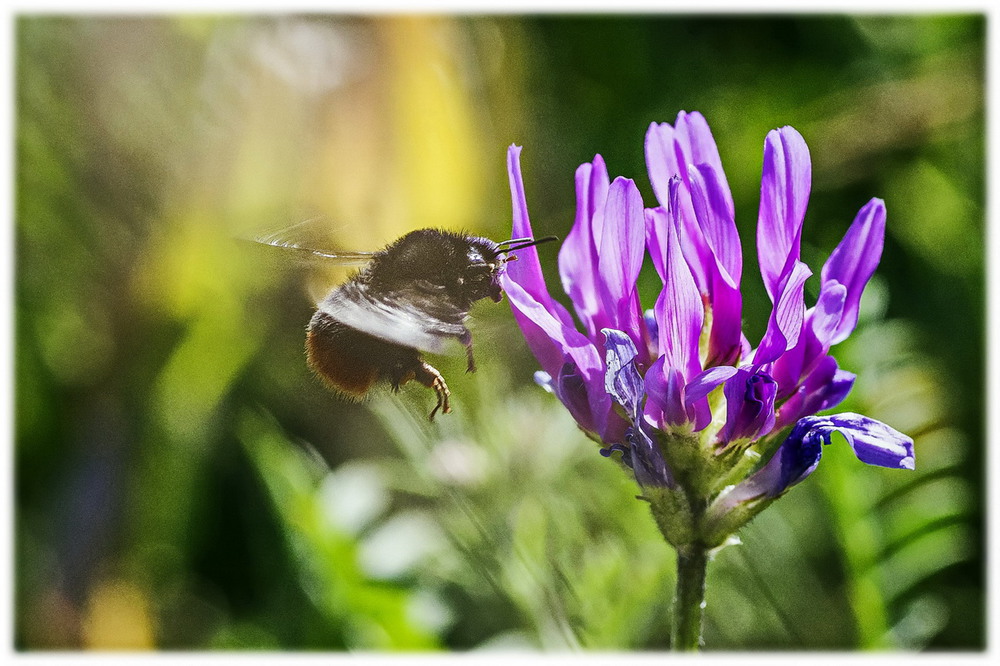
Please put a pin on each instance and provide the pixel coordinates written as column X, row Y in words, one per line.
column 428, row 375
column 466, row 339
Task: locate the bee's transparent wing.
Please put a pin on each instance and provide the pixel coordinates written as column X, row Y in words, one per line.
column 342, row 258
column 413, row 316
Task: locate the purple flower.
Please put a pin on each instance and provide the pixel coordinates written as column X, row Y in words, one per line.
column 654, row 384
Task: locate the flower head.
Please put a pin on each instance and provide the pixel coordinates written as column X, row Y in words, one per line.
column 679, row 389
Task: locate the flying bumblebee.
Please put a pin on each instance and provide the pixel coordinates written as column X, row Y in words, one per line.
column 412, row 296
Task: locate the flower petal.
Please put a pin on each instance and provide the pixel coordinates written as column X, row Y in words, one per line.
column 854, row 260
column 573, row 391
column 824, row 387
column 656, row 245
column 827, row 386
column 670, row 149
column 749, row 406
column 622, row 380
column 669, row 152
column 794, row 460
column 661, row 159
column 713, row 210
column 697, row 143
column 713, row 207
column 526, row 271
column 784, row 193
column 873, row 442
column 679, row 310
column 578, row 256
column 787, row 315
column 555, row 344
column 708, row 381
column 620, row 252
column 829, row 311
column 664, row 388
column 547, row 336
column 647, row 460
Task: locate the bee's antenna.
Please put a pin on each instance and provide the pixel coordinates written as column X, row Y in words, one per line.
column 521, row 243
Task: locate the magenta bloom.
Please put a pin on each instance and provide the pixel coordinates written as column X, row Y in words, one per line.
column 635, row 378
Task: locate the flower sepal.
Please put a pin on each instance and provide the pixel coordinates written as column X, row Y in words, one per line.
column 674, row 515
column 725, row 517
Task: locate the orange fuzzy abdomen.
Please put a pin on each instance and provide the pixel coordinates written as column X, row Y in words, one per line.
column 338, row 355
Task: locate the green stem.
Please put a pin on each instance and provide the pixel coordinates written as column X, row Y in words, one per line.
column 689, row 598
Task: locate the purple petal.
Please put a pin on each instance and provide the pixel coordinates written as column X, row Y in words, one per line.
column 796, row 363
column 526, row 271
column 554, row 344
column 824, row 387
column 708, row 381
column 827, row 386
column 828, row 313
column 661, row 159
column 652, row 329
column 679, row 311
column 854, row 260
column 697, row 143
column 664, row 388
column 578, row 255
column 547, row 336
column 749, row 406
column 784, row 193
column 656, row 224
column 674, row 196
column 620, row 250
column 785, row 323
column 725, row 339
column 713, row 208
column 694, row 246
column 670, row 149
column 573, row 391
column 694, row 146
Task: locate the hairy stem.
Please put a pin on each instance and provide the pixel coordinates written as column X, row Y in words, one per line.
column 689, row 598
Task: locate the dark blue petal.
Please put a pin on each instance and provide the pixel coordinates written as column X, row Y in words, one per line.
column 873, row 442
column 797, row 456
column 749, row 406
column 791, row 463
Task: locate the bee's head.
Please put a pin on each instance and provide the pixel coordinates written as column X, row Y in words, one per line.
column 486, row 258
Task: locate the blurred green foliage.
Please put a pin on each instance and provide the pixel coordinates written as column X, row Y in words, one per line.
column 182, row 482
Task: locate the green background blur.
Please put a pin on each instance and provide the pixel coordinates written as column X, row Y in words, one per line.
column 183, row 482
